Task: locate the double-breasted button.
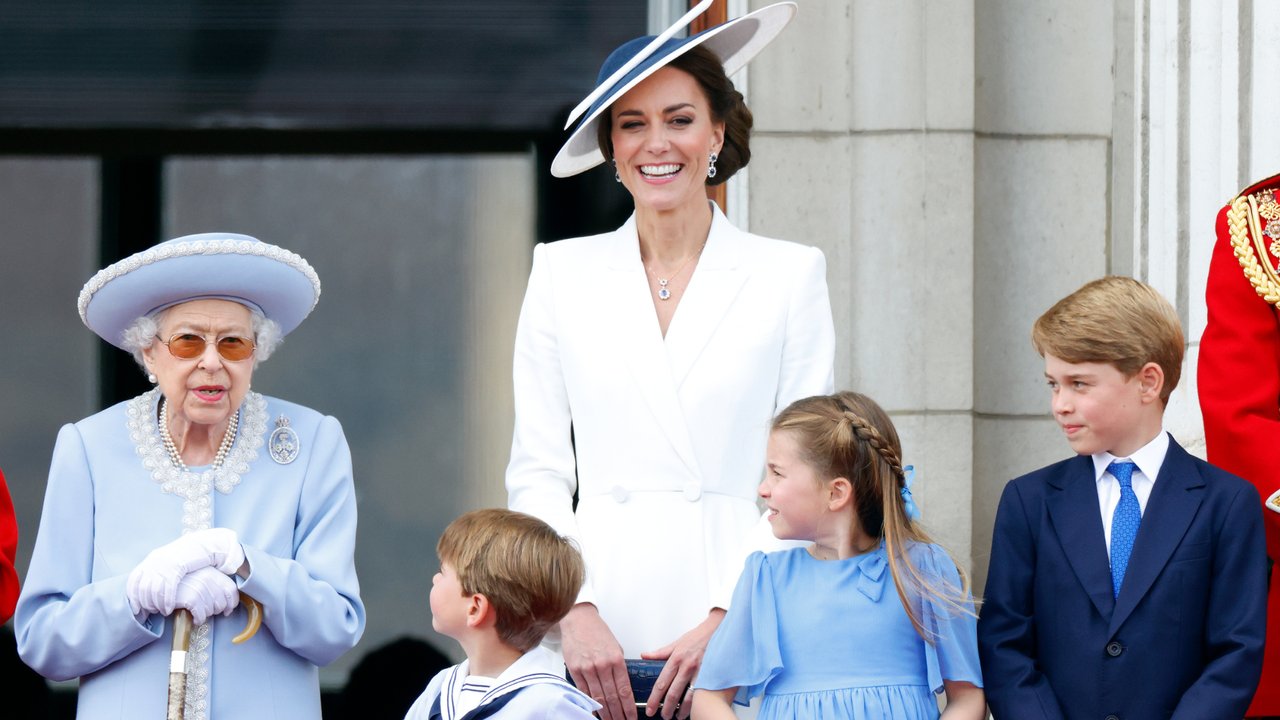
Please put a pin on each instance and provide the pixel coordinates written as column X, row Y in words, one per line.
column 1112, row 717
column 620, row 494
column 692, row 491
column 1114, row 649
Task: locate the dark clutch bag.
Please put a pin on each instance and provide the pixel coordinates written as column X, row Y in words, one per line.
column 644, row 675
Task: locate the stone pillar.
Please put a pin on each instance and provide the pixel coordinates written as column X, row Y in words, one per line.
column 1043, row 107
column 1204, row 122
column 864, row 147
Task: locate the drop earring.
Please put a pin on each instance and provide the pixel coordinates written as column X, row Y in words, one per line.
column 711, row 169
column 616, row 176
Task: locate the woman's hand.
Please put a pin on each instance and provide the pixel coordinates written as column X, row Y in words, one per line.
column 684, row 657
column 965, row 701
column 207, row 592
column 153, row 584
column 594, row 660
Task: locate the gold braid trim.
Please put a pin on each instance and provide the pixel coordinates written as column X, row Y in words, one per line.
column 1242, row 221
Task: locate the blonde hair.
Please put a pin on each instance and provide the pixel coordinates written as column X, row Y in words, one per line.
column 530, row 574
column 1115, row 320
column 847, row 435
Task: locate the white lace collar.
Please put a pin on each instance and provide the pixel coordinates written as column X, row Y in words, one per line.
column 142, row 431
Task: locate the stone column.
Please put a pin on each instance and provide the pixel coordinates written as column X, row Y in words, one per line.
column 1043, row 100
column 864, row 147
column 1204, row 121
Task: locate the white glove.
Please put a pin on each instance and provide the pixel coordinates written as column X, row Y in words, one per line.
column 207, row 592
column 153, row 585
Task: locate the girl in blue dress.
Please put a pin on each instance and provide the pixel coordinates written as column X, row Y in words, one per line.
column 868, row 621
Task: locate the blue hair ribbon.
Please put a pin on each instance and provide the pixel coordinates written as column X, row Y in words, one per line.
column 913, row 512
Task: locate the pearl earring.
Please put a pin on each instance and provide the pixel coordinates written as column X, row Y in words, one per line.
column 616, row 176
column 151, row 379
column 711, row 169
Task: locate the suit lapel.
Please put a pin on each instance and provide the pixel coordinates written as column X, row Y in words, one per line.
column 1170, row 509
column 638, row 338
column 715, row 284
column 1073, row 507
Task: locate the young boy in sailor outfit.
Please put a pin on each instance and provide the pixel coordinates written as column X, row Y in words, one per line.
column 505, row 579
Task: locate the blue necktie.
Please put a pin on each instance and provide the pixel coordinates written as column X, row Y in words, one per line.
column 1124, row 523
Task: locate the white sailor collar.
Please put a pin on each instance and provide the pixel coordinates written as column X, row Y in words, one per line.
column 534, row 667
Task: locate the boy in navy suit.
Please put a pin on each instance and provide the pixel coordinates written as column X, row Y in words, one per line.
column 1128, row 582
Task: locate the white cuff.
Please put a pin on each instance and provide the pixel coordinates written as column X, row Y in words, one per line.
column 233, row 561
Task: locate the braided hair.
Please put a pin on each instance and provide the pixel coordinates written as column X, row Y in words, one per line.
column 847, row 435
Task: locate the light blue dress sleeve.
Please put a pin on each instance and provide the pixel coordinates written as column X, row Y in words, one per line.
column 311, row 602
column 66, row 625
column 953, row 654
column 744, row 652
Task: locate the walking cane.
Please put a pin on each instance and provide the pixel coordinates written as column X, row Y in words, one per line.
column 182, row 642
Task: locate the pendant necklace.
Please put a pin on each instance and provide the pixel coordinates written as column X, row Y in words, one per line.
column 228, row 439
column 664, row 293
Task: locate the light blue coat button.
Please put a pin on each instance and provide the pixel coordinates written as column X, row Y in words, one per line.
column 692, row 491
column 620, row 494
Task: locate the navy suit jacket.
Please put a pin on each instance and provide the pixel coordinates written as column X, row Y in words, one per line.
column 1183, row 640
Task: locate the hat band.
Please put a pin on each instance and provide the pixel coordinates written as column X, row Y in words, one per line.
column 229, row 298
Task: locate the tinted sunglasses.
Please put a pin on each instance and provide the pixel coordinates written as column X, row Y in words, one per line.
column 189, row 347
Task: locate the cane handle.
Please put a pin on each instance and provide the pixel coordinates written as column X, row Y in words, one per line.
column 182, row 625
column 255, row 619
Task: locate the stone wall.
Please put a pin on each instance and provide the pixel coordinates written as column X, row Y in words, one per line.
column 966, row 163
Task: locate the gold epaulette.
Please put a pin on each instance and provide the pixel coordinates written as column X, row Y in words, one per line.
column 1244, row 221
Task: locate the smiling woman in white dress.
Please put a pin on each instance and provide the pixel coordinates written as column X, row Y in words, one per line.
column 649, row 362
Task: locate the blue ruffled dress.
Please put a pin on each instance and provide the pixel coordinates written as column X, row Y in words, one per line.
column 830, row 639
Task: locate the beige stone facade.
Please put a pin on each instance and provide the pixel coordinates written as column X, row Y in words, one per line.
column 966, row 163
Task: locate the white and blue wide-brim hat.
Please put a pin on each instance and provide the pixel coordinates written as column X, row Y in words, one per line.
column 734, row 42
column 225, row 266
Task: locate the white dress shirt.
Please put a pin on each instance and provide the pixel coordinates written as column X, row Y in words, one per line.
column 1148, row 459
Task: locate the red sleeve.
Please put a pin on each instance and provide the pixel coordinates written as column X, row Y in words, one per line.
column 8, row 551
column 1239, row 378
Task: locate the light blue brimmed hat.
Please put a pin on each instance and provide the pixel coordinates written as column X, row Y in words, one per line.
column 734, row 42
column 225, row 266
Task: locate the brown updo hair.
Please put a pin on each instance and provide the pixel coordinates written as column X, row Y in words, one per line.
column 727, row 106
column 848, row 435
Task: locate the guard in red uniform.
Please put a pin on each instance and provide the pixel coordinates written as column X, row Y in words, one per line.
column 8, row 550
column 1239, row 378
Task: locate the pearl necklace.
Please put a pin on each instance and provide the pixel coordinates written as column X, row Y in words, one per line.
column 228, row 438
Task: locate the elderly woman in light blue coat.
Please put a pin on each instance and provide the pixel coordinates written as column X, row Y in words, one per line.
column 192, row 493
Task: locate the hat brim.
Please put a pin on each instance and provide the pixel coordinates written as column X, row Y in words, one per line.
column 735, row 43
column 211, row 265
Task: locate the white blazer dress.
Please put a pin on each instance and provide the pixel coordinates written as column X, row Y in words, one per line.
column 664, row 439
